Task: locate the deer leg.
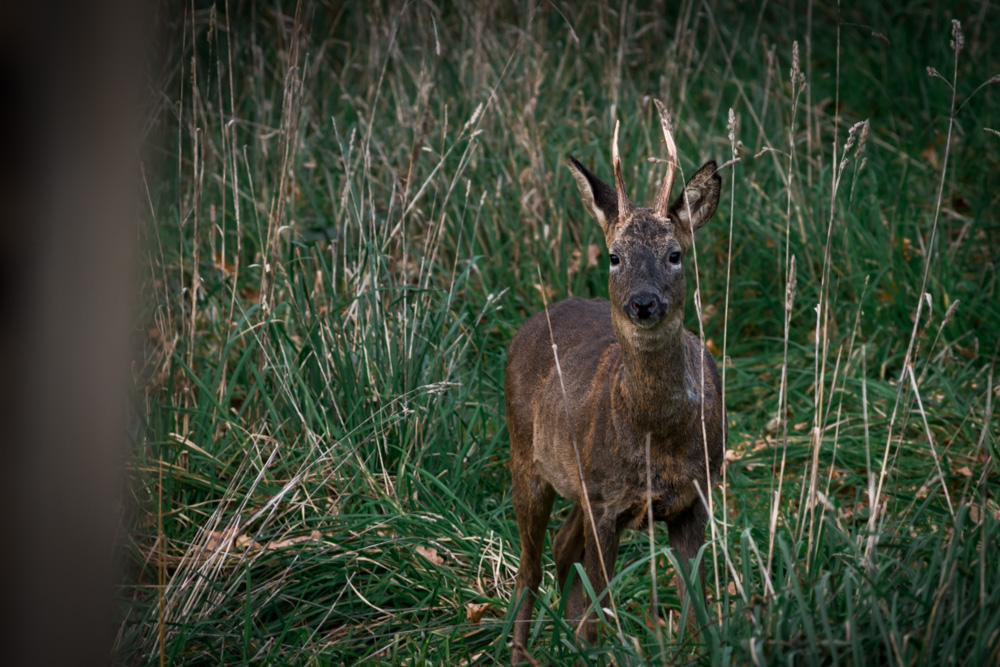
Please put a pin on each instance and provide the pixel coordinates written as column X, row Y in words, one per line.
column 602, row 543
column 532, row 504
column 568, row 548
column 687, row 534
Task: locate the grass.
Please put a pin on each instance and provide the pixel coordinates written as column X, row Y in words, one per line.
column 351, row 211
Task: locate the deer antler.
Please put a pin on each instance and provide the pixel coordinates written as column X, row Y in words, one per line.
column 623, row 203
column 663, row 199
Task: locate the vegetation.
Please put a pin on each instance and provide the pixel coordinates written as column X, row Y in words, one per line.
column 351, row 209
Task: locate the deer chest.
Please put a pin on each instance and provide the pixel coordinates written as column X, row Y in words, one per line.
column 668, row 489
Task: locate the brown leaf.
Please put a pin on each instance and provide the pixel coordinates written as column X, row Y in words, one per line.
column 708, row 312
column 909, row 250
column 593, row 258
column 976, row 512
column 931, row 156
column 800, row 426
column 772, row 424
column 656, row 619
column 314, row 536
column 548, row 294
column 593, row 255
column 245, row 542
column 222, row 264
column 220, row 540
column 474, row 610
column 964, row 470
column 713, row 348
column 968, row 352
column 250, row 294
column 574, row 262
column 430, row 554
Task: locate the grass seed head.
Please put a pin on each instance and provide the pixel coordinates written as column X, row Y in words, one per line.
column 790, row 286
column 733, row 126
column 957, row 38
column 795, row 73
column 863, row 137
column 880, row 37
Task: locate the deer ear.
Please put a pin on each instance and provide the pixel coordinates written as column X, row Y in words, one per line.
column 696, row 205
column 599, row 197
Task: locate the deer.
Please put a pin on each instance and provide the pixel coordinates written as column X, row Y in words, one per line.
column 613, row 404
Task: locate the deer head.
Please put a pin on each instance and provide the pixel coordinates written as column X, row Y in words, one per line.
column 647, row 246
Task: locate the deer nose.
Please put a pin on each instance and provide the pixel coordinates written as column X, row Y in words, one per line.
column 644, row 305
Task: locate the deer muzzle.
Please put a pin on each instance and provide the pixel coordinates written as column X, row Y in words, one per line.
column 645, row 308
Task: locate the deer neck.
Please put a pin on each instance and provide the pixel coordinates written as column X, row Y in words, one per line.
column 656, row 382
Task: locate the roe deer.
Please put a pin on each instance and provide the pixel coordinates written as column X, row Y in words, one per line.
column 626, row 370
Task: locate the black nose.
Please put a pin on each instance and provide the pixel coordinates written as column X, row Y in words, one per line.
column 643, row 305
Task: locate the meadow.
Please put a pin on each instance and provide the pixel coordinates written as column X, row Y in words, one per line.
column 351, row 208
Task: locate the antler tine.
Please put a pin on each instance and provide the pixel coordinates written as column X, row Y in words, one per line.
column 623, row 204
column 663, row 199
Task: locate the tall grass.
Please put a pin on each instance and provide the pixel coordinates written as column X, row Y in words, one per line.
column 351, row 210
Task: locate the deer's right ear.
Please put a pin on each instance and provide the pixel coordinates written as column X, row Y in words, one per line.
column 599, row 197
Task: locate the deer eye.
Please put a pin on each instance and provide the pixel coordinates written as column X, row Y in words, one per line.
column 614, row 259
column 675, row 257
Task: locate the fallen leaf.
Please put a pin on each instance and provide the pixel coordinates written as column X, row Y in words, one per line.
column 964, row 470
column 222, row 264
column 969, row 352
column 593, row 258
column 772, row 425
column 314, row 536
column 656, row 619
column 593, row 255
column 471, row 660
column 246, row 542
column 220, row 540
column 931, row 156
column 474, row 610
column 250, row 294
column 909, row 249
column 976, row 512
column 430, row 554
column 800, row 426
column 548, row 294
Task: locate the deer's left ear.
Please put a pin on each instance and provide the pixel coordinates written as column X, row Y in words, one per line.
column 696, row 205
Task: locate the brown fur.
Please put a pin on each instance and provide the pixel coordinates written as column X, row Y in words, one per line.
column 629, row 370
